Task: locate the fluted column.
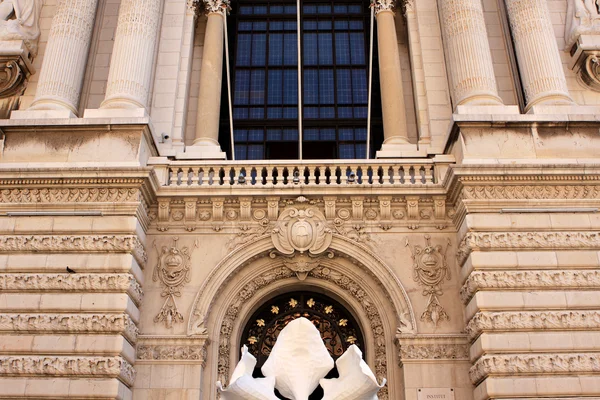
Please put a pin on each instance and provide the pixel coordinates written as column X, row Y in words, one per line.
column 130, row 72
column 537, row 53
column 468, row 53
column 206, row 143
column 61, row 76
column 390, row 73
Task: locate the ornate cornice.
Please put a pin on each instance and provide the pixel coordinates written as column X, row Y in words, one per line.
column 69, row 195
column 526, row 240
column 107, row 367
column 70, row 323
column 75, row 243
column 514, row 364
column 532, row 192
column 544, row 279
column 168, row 349
column 74, row 282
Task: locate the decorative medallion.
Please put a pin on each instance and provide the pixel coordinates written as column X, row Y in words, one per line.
column 173, row 271
column 301, row 231
column 429, row 270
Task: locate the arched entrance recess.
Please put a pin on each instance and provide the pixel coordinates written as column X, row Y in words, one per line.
column 337, row 326
column 351, row 273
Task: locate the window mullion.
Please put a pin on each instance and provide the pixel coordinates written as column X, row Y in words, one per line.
column 299, row 36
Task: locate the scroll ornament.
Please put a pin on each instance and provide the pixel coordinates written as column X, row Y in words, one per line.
column 429, row 270
column 173, row 271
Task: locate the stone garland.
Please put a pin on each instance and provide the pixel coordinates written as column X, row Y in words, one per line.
column 56, row 366
column 74, row 243
column 70, row 323
column 69, row 195
column 325, row 273
column 516, row 364
column 434, row 352
column 530, row 240
column 532, row 192
column 76, row 282
column 479, row 280
column 532, row 320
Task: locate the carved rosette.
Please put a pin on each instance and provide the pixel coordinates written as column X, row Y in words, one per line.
column 173, row 271
column 429, row 270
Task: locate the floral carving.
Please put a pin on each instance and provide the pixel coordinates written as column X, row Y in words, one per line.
column 70, row 323
column 69, row 243
column 172, row 352
column 526, row 240
column 434, row 352
column 69, row 195
column 478, row 280
column 429, row 270
column 173, row 271
column 248, row 235
column 383, row 5
column 532, row 320
column 301, row 230
column 534, row 364
column 108, row 367
column 216, row 6
column 530, row 192
column 78, row 282
column 302, row 263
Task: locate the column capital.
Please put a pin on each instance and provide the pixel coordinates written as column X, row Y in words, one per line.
column 383, row 5
column 216, row 6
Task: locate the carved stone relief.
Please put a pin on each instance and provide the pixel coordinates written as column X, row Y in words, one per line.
column 173, row 271
column 152, row 349
column 432, row 351
column 582, row 37
column 429, row 270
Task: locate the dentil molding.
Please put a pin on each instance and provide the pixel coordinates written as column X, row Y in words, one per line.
column 74, row 243
column 55, row 366
column 532, row 320
column 545, row 279
column 517, row 364
column 74, row 282
column 70, row 323
column 526, row 240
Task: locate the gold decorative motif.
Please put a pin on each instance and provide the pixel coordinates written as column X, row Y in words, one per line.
column 429, row 270
column 275, row 310
column 351, row 339
column 173, row 271
column 328, row 309
column 311, row 303
column 252, row 339
column 260, row 322
column 293, row 303
column 343, row 322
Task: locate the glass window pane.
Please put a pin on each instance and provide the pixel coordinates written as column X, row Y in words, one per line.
column 356, row 25
column 357, row 46
column 344, row 87
column 344, row 112
column 290, row 49
column 276, row 10
column 243, row 49
column 276, row 26
column 346, row 134
column 257, row 87
column 361, row 150
column 311, row 134
column 360, row 134
column 245, row 10
column 240, row 135
column 359, row 86
column 245, row 26
column 240, row 113
column 324, row 25
column 311, row 112
column 354, row 9
column 256, row 135
column 290, row 87
column 310, row 9
column 360, row 112
column 260, row 9
column 324, row 9
column 259, row 49
column 290, row 10
column 346, row 151
column 275, row 48
column 260, row 26
column 290, row 26
column 342, row 48
column 309, row 25
column 241, row 152
column 326, row 86
column 341, row 25
column 242, row 87
column 325, row 49
column 275, row 95
column 328, row 134
column 256, row 113
column 290, row 134
column 290, row 112
column 274, row 112
column 274, row 134
column 311, row 86
column 255, row 152
column 327, row 112
column 310, row 49
column 340, row 9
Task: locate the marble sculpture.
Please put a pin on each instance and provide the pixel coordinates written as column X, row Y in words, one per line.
column 298, row 363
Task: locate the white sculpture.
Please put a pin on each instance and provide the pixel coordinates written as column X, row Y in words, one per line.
column 356, row 381
column 297, row 365
column 25, row 25
column 243, row 386
column 583, row 17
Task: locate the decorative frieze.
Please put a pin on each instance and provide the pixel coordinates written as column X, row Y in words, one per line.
column 541, row 279
column 169, row 349
column 532, row 320
column 74, row 282
column 518, row 364
column 75, row 243
column 69, row 195
column 70, row 323
column 173, row 272
column 526, row 240
column 68, row 366
column 532, row 192
column 433, row 351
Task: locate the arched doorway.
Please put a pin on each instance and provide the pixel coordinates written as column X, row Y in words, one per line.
column 337, row 326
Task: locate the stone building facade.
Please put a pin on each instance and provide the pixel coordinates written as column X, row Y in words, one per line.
column 136, row 257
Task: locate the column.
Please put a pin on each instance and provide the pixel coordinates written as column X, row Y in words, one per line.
column 61, row 76
column 206, row 143
column 395, row 133
column 537, row 53
column 133, row 55
column 469, row 58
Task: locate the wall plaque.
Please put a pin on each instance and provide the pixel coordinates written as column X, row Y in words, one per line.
column 435, row 394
